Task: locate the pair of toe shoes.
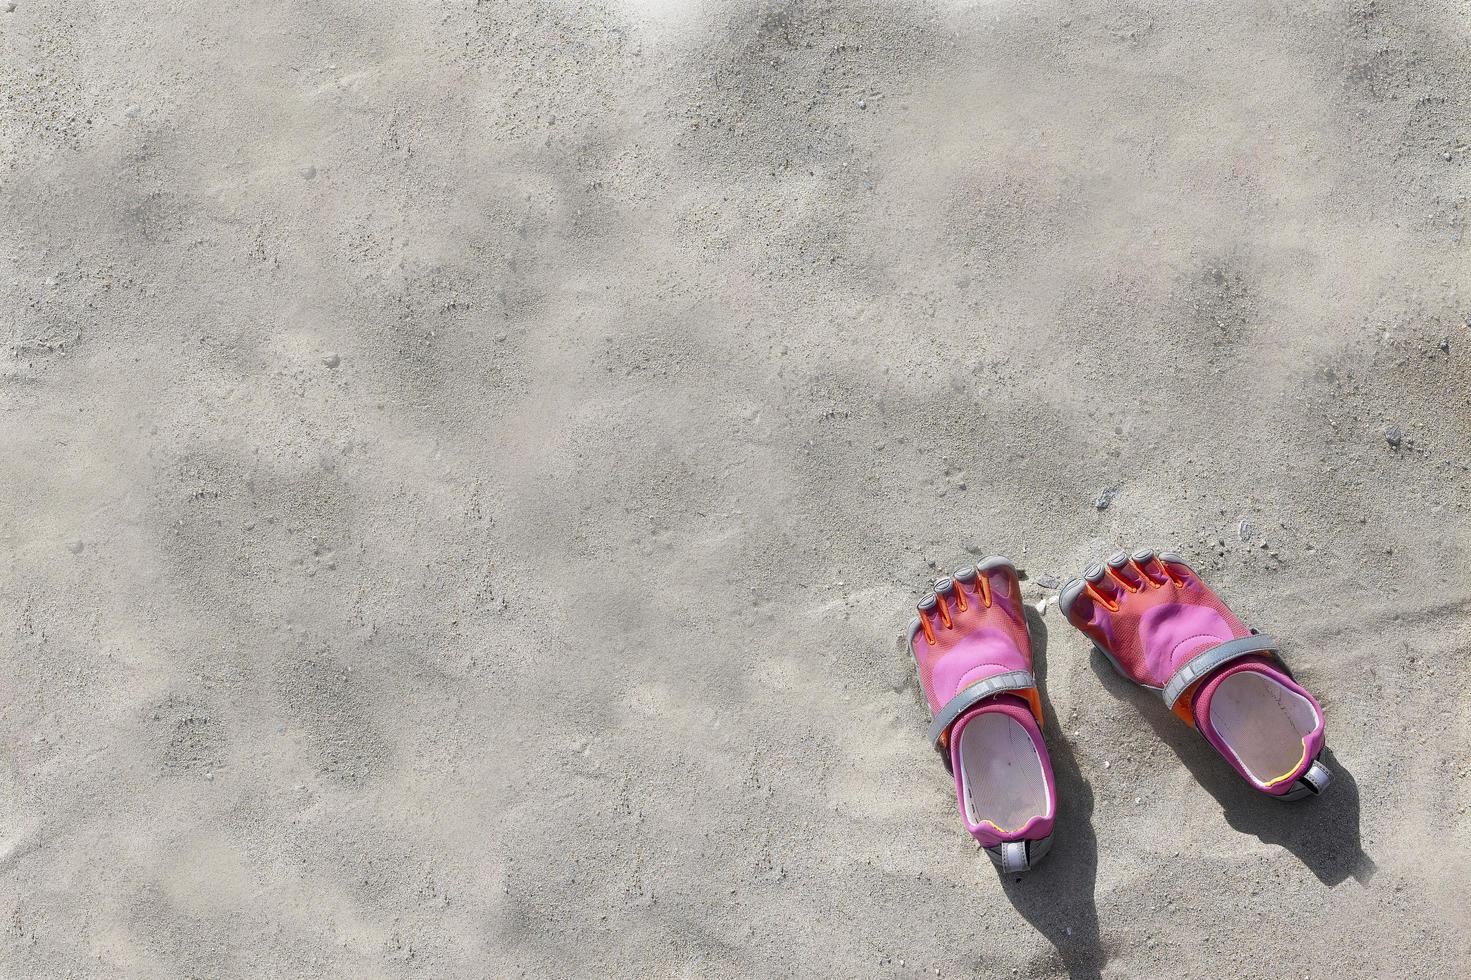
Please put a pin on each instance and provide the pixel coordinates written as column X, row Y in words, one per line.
column 1160, row 626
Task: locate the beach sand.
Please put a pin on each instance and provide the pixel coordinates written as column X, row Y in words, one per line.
column 466, row 467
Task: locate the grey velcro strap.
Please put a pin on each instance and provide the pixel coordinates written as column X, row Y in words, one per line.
column 1015, row 680
column 1208, row 660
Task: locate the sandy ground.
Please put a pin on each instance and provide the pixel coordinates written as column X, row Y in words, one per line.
column 465, row 467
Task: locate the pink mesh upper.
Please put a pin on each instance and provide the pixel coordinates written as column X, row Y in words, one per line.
column 980, row 643
column 1169, row 617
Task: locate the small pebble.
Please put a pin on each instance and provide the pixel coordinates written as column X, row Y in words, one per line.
column 1049, row 581
column 1446, row 155
column 308, row 172
column 76, row 547
column 1105, row 498
column 331, row 360
column 1444, row 345
column 864, row 105
column 1394, row 435
column 1244, row 531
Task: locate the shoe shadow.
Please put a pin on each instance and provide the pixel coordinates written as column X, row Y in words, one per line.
column 1322, row 832
column 1057, row 897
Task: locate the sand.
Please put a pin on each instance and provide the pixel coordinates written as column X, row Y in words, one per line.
column 466, row 466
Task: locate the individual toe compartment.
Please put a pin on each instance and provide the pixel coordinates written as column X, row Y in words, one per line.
column 945, row 604
column 1122, row 571
column 1075, row 602
column 929, row 617
column 967, row 587
column 1147, row 564
column 1176, row 567
column 1002, row 585
column 1104, row 587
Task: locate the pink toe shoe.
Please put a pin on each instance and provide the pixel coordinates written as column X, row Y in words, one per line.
column 974, row 656
column 1162, row 627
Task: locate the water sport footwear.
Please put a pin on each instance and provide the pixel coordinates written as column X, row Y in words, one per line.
column 1163, row 628
column 974, row 655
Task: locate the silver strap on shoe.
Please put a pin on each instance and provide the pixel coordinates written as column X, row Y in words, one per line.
column 1014, row 680
column 1317, row 777
column 1208, row 660
column 1310, row 783
column 1017, row 857
column 1014, row 857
